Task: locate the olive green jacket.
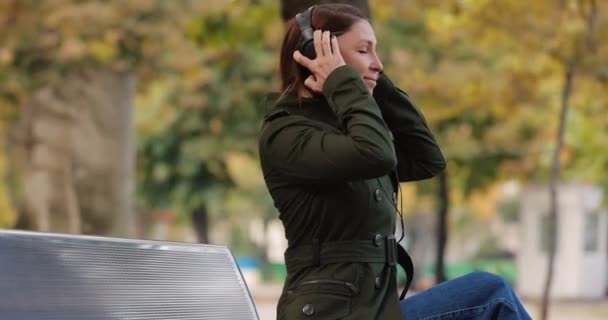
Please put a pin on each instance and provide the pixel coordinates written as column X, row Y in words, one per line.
column 327, row 162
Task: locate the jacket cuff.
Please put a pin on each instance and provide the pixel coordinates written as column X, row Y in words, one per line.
column 384, row 87
column 343, row 79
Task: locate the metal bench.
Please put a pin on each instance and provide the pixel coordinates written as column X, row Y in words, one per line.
column 65, row 277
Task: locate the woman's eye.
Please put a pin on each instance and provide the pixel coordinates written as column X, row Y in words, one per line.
column 362, row 51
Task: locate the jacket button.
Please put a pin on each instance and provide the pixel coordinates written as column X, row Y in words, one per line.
column 378, row 240
column 378, row 195
column 308, row 309
column 378, row 283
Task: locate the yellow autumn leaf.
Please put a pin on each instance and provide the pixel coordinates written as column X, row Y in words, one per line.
column 244, row 170
column 102, row 51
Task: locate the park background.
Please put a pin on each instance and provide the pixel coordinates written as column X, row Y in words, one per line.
column 140, row 119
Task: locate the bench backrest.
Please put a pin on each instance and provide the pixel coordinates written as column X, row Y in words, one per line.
column 53, row 276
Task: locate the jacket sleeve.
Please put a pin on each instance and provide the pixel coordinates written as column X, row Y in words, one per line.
column 302, row 149
column 418, row 155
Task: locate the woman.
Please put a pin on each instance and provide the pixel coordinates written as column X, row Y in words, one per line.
column 333, row 148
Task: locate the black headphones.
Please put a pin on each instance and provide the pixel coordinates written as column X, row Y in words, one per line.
column 304, row 20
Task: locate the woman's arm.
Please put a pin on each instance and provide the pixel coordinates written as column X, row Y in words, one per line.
column 418, row 155
column 300, row 149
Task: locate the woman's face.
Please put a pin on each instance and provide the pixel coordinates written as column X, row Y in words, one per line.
column 358, row 48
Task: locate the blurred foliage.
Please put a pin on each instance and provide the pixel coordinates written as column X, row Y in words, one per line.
column 487, row 74
column 204, row 68
column 199, row 128
column 42, row 42
column 489, row 77
column 509, row 210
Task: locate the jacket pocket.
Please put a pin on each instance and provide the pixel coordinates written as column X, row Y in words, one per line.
column 319, row 299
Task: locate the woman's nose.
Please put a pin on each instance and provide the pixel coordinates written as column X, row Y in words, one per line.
column 377, row 64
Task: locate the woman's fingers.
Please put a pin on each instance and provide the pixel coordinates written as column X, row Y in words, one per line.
column 317, row 35
column 312, row 83
column 326, row 43
column 302, row 59
column 327, row 60
column 309, row 82
column 335, row 46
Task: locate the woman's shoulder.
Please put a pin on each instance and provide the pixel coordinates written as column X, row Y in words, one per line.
column 282, row 119
column 280, row 106
column 293, row 112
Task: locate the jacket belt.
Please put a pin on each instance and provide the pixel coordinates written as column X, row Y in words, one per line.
column 381, row 249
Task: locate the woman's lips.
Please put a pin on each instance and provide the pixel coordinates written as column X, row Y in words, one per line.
column 370, row 81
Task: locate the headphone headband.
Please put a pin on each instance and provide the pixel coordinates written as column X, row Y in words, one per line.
column 304, row 20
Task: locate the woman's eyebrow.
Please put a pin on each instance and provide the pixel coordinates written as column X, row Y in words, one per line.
column 367, row 42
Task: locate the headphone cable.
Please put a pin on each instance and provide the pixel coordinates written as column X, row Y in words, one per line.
column 399, row 212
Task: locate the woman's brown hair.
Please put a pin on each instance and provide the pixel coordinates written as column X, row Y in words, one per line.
column 335, row 18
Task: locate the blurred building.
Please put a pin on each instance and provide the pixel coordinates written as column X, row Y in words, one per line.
column 581, row 256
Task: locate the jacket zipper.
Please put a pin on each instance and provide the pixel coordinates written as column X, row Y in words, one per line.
column 347, row 284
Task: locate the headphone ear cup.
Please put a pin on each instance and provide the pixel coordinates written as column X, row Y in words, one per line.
column 308, row 49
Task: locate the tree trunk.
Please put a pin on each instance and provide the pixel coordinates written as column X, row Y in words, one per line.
column 589, row 45
column 7, row 170
column 553, row 219
column 74, row 147
column 200, row 222
column 442, row 226
column 289, row 8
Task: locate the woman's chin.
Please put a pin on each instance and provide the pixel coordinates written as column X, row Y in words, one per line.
column 370, row 84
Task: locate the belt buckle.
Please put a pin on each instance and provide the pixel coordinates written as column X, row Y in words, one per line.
column 391, row 250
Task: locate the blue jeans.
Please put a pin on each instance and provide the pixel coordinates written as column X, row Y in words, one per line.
column 476, row 296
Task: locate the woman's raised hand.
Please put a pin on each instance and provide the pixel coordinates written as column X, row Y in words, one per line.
column 328, row 59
